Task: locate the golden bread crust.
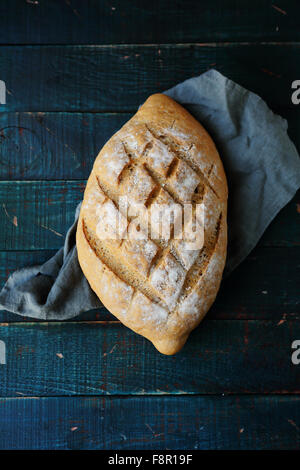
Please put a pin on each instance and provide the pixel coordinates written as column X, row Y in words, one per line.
column 159, row 290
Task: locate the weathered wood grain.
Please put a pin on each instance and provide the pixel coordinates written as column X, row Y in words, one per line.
column 133, row 21
column 265, row 286
column 35, row 215
column 228, row 356
column 64, row 145
column 151, row 423
column 119, row 78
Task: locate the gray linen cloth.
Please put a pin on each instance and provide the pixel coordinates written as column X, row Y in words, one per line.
column 263, row 171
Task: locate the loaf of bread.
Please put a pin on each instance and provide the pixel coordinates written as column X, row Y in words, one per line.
column 156, row 285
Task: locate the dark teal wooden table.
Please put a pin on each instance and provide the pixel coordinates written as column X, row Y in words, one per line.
column 75, row 71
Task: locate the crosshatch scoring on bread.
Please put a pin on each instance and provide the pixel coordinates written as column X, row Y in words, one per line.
column 152, row 231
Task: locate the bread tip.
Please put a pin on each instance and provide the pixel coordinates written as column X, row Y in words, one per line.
column 171, row 346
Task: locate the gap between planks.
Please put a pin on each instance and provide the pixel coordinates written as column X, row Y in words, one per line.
column 161, row 395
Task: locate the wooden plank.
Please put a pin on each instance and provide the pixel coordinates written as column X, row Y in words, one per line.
column 220, row 357
column 53, row 145
column 186, row 423
column 91, row 22
column 265, row 286
column 35, row 215
column 64, row 145
column 119, row 78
